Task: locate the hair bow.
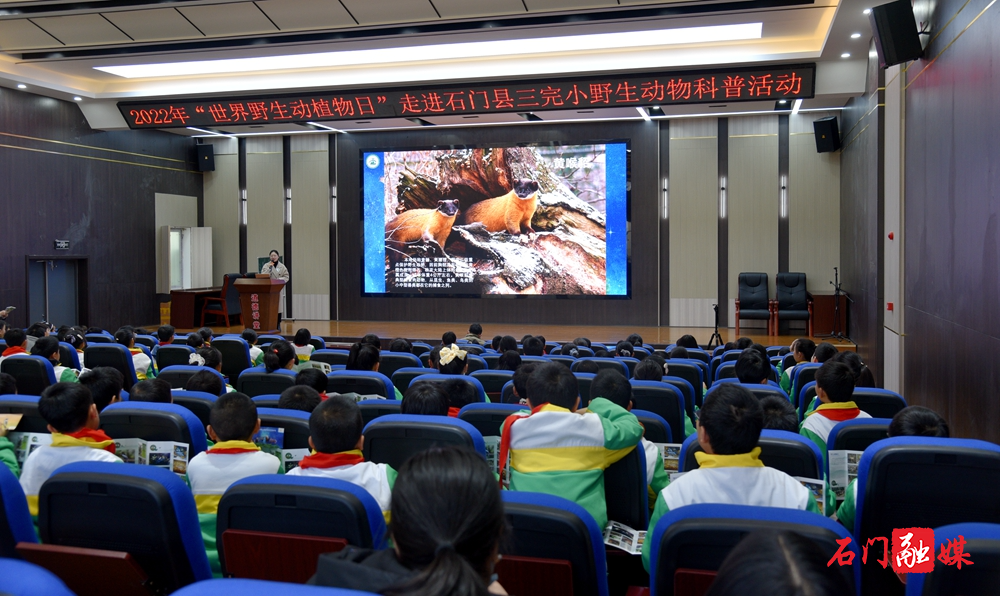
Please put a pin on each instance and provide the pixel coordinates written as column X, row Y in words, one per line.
column 196, row 359
column 449, row 353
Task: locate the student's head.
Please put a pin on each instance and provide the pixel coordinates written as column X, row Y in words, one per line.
column 151, row 390
column 75, row 338
column 434, row 356
column 250, row 336
column 233, row 418
column 520, row 379
column 460, row 392
column 299, row 397
column 599, row 353
column 448, row 338
column 335, row 425
column 751, row 367
column 612, row 386
column 762, row 351
column 68, row 407
column 207, row 356
column 803, row 349
column 834, row 382
column 3, row 327
column 555, row 384
column 8, row 384
column 105, row 384
column 778, row 563
column 648, row 370
column 533, row 347
column 125, row 337
column 166, row 332
column 206, row 382
column 570, row 349
column 509, row 360
column 624, row 349
column 363, row 357
column 582, row 341
column 729, row 346
column 206, row 334
column 302, row 337
column 372, row 340
column 918, row 421
column 687, row 341
column 47, row 347
column 40, row 329
column 312, row 377
column 507, row 342
column 588, row 366
column 743, row 343
column 635, row 339
column 447, row 521
column 453, row 360
column 863, row 377
column 824, row 351
column 541, row 338
column 194, row 340
column 495, row 342
column 279, row 354
column 425, row 398
column 401, row 344
column 476, row 329
column 779, row 414
column 679, row 352
column 730, row 420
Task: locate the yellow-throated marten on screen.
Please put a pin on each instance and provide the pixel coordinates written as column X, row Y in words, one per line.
column 424, row 224
column 512, row 211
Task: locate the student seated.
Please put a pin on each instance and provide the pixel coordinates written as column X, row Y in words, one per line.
column 206, row 335
column 206, row 382
column 507, row 342
column 570, row 349
column 425, row 398
column 542, row 443
column 834, row 389
column 364, row 356
column 533, row 347
column 279, row 354
column 8, row 384
column 742, row 343
column 460, row 394
column 299, row 397
column 448, row 338
column 730, row 471
column 256, row 354
column 233, row 422
column 648, row 370
column 802, row 350
column 143, row 364
column 679, row 352
column 76, row 338
column 824, row 351
column 624, row 349
column 912, row 421
column 16, row 341
column 313, row 377
column 336, row 440
column 402, row 345
column 599, row 353
column 447, row 523
column 35, row 332
column 751, row 368
column 688, row 341
column 582, row 341
column 475, row 334
column 152, row 390
column 614, row 387
column 48, row 347
column 303, row 349
column 372, row 340
column 520, row 382
column 495, row 343
column 453, row 360
column 209, row 357
column 509, row 360
column 779, row 414
column 105, row 384
column 194, row 340
column 75, row 424
column 164, row 337
column 863, row 377
column 635, row 339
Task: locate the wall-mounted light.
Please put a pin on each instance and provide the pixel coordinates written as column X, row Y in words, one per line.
column 288, row 206
column 666, row 208
column 722, row 197
column 243, row 207
column 784, row 196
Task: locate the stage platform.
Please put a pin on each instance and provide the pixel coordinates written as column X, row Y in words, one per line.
column 349, row 331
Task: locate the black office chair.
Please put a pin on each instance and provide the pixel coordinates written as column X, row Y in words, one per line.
column 753, row 300
column 792, row 301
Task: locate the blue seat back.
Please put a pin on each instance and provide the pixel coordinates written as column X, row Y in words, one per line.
column 923, row 482
column 302, row 506
column 20, row 578
column 394, row 438
column 256, row 381
column 566, row 361
column 27, row 406
column 549, row 527
column 878, row 403
column 267, row 400
column 692, row 372
column 802, row 374
column 199, row 402
column 655, row 428
column 982, row 543
column 439, row 378
column 761, row 391
column 295, row 423
column 374, row 408
column 99, row 505
column 154, row 422
column 220, row 587
column 179, row 374
column 507, row 393
column 15, row 519
column 114, row 355
column 687, row 391
column 789, row 452
column 630, row 363
column 492, row 360
column 487, row 418
column 858, row 434
column 331, row 357
column 476, row 362
column 390, row 362
column 419, row 347
column 235, row 354
column 493, row 380
column 626, row 489
column 32, row 373
column 99, row 338
column 172, row 355
column 401, row 377
column 663, row 399
column 584, row 381
column 68, row 356
column 146, row 341
column 602, row 363
column 362, row 382
column 700, row 536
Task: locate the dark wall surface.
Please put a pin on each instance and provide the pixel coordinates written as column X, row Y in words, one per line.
column 861, row 218
column 61, row 180
column 641, row 309
column 952, row 241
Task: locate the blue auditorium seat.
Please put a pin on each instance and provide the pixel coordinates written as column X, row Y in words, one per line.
column 114, row 355
column 374, row 408
column 15, row 520
column 246, row 587
column 331, row 357
column 294, row 422
column 656, row 429
column 492, row 380
column 257, row 381
column 982, row 543
column 19, row 578
column 663, row 399
column 27, row 406
column 858, row 434
column 154, row 422
column 179, row 374
column 199, row 402
column 32, row 373
column 267, row 400
column 362, row 382
column 439, row 378
column 602, row 363
column 394, row 438
column 235, row 355
column 487, row 418
column 171, row 355
column 390, row 362
column 68, row 356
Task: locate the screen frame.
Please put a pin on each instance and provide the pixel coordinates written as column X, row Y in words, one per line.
column 362, row 150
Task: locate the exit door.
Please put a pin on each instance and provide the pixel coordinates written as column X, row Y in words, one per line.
column 53, row 291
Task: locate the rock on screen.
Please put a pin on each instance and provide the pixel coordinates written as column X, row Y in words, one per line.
column 526, row 220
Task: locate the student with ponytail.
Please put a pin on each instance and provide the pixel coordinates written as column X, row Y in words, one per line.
column 447, row 522
column 364, row 356
column 453, row 360
column 144, row 367
column 279, row 354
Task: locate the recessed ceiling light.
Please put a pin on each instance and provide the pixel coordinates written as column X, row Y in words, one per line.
column 855, row 35
column 782, row 101
column 476, row 49
column 22, row 86
column 845, row 55
column 77, row 98
column 866, row 11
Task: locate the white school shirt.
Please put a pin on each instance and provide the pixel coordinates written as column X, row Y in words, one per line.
column 737, row 485
column 210, row 474
column 368, row 475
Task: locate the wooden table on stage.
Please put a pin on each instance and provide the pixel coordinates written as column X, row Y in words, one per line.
column 823, row 310
column 186, row 306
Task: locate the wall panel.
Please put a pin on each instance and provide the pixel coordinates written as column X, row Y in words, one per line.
column 222, row 209
column 310, row 226
column 265, row 198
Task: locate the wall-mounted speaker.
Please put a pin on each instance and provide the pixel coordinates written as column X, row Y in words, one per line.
column 827, row 134
column 895, row 30
column 206, row 158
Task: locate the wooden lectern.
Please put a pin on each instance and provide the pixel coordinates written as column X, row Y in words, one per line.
column 259, row 300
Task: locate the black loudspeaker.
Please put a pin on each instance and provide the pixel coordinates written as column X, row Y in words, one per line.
column 895, row 31
column 827, row 134
column 206, row 158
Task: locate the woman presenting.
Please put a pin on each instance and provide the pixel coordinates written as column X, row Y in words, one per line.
column 277, row 271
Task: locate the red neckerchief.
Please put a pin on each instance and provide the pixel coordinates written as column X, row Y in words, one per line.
column 839, row 415
column 331, row 460
column 13, row 350
column 505, row 436
column 164, row 343
column 97, row 436
column 323, row 396
column 453, row 412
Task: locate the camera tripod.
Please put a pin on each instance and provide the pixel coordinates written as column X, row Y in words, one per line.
column 716, row 338
column 837, row 332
